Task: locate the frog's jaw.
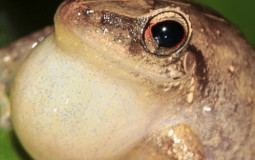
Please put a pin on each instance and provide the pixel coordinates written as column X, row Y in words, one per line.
column 72, row 109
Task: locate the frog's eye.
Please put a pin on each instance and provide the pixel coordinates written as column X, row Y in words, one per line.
column 167, row 33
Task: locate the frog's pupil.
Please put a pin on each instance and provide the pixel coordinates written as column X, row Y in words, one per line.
column 168, row 33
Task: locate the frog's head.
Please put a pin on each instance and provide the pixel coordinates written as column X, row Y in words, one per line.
column 166, row 43
column 150, row 42
column 116, row 67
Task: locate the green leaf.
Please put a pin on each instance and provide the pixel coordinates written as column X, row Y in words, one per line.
column 10, row 149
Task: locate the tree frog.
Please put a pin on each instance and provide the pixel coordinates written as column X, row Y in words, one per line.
column 132, row 80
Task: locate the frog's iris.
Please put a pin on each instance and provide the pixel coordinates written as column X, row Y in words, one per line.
column 168, row 33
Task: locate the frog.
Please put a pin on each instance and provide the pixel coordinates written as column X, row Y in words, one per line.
column 132, row 80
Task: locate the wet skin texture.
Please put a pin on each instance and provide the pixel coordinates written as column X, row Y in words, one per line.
column 101, row 86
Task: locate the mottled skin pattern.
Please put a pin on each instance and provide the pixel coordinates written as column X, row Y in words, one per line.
column 198, row 104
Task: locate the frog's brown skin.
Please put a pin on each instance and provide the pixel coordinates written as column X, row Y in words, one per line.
column 196, row 106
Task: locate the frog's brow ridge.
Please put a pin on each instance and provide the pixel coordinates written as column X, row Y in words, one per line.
column 214, row 17
column 107, row 1
column 178, row 3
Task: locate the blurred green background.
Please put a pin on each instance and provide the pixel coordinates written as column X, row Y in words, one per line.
column 21, row 17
